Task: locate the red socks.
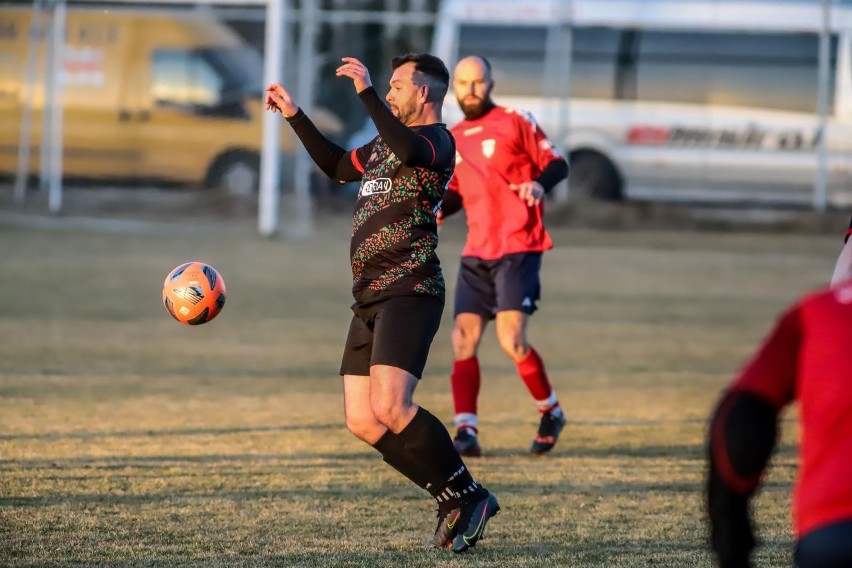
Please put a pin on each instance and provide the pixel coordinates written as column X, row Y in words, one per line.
column 465, row 381
column 531, row 370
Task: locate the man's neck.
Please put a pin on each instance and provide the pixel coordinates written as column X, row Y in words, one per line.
column 428, row 116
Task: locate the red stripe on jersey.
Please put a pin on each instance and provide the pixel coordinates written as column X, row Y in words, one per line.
column 848, row 232
column 354, row 157
column 434, row 154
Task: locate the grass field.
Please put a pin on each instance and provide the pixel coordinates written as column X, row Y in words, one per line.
column 129, row 440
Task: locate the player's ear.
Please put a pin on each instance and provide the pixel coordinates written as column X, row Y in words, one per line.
column 423, row 93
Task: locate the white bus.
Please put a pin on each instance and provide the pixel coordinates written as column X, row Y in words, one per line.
column 713, row 101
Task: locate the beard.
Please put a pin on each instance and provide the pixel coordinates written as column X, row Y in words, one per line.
column 404, row 112
column 474, row 107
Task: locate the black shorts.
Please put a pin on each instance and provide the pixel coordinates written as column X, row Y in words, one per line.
column 829, row 546
column 486, row 287
column 397, row 332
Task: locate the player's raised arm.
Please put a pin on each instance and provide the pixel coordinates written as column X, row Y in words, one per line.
column 333, row 160
column 417, row 88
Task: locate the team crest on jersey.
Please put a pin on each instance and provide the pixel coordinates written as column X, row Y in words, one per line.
column 374, row 186
column 488, row 146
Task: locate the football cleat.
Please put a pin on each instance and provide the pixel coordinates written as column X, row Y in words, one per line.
column 474, row 516
column 549, row 428
column 448, row 527
column 467, row 444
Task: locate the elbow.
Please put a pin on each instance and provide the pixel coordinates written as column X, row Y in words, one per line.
column 331, row 173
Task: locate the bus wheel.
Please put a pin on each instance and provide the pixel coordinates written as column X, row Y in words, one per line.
column 593, row 176
column 236, row 174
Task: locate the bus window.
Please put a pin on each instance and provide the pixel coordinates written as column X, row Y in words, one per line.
column 770, row 71
column 593, row 64
column 516, row 53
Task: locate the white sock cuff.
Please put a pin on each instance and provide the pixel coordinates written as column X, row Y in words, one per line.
column 549, row 401
column 466, row 419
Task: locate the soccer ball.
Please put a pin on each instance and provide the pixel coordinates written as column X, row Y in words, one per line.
column 194, row 293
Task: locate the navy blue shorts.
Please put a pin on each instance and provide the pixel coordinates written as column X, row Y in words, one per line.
column 486, row 287
column 397, row 332
column 829, row 546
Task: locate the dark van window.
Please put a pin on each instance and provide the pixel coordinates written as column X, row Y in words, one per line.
column 593, row 63
column 774, row 71
column 516, row 54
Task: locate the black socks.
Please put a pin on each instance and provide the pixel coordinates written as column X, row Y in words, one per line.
column 424, row 453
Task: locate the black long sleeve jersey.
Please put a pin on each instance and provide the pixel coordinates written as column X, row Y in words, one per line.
column 404, row 172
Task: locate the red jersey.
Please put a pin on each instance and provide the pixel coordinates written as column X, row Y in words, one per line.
column 503, row 147
column 807, row 357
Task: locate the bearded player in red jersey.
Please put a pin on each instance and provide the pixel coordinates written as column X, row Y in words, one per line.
column 504, row 166
column 805, row 358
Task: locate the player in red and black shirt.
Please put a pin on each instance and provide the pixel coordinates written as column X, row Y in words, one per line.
column 504, row 166
column 807, row 358
column 397, row 281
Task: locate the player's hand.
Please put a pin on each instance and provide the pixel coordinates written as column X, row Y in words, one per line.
column 439, row 217
column 356, row 71
column 278, row 99
column 530, row 191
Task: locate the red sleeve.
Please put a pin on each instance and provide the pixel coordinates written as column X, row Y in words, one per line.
column 454, row 180
column 848, row 231
column 360, row 156
column 536, row 143
column 771, row 372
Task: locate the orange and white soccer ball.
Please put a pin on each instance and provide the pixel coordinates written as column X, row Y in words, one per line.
column 194, row 293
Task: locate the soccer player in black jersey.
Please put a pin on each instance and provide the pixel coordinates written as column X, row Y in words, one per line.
column 397, row 281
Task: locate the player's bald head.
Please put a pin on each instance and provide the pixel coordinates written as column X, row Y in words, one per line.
column 472, row 85
column 474, row 66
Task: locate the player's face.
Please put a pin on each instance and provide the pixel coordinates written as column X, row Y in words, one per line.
column 472, row 87
column 404, row 94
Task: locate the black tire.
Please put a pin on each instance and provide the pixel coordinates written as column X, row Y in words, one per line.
column 236, row 174
column 593, row 177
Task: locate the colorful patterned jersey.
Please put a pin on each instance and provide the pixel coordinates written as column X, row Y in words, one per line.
column 394, row 231
column 505, row 146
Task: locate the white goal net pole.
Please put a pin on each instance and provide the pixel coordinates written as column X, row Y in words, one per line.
column 270, row 162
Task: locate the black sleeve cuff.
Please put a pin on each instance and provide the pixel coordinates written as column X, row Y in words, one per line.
column 556, row 171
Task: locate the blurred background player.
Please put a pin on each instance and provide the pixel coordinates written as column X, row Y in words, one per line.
column 843, row 267
column 806, row 357
column 504, row 166
column 397, row 281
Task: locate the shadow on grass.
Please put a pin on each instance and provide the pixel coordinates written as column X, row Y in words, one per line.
column 148, row 433
column 156, row 461
column 491, row 553
column 566, row 451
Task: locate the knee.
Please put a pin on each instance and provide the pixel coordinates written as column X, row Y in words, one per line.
column 465, row 342
column 391, row 416
column 514, row 346
column 368, row 430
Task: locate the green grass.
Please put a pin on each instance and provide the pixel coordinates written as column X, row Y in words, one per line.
column 129, row 440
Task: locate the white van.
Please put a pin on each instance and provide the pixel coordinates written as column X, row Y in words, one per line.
column 670, row 100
